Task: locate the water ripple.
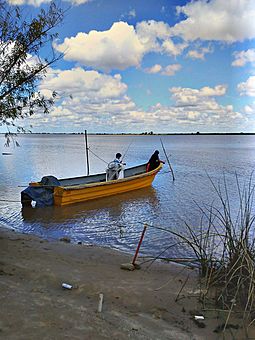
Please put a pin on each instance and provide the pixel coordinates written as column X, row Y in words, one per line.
column 118, row 221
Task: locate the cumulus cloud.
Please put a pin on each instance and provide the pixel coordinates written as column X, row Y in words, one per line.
column 152, row 34
column 193, row 54
column 117, row 48
column 132, row 13
column 154, row 69
column 168, row 70
column 88, row 85
column 205, row 115
column 7, row 49
column 199, row 53
column 191, row 97
column 172, row 49
column 247, row 88
column 101, row 102
column 250, row 109
column 37, row 3
column 199, row 108
column 121, row 46
column 244, row 57
column 227, row 21
column 156, row 36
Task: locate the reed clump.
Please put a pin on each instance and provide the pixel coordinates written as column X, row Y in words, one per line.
column 224, row 248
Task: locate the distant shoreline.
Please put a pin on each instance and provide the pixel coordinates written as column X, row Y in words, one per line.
column 141, row 134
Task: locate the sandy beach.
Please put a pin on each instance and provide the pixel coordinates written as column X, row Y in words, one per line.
column 136, row 305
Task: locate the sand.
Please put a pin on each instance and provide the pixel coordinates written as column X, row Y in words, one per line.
column 136, row 305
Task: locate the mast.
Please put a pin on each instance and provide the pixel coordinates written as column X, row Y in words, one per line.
column 87, row 151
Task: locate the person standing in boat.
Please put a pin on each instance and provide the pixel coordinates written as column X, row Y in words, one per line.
column 154, row 162
column 114, row 168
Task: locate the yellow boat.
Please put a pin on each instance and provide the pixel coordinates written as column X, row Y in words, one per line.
column 78, row 189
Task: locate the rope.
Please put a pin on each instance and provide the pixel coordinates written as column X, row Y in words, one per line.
column 97, row 156
column 101, row 159
column 9, row 201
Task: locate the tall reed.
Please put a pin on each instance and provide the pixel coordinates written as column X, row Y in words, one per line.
column 224, row 247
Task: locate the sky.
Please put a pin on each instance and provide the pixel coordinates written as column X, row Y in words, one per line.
column 167, row 66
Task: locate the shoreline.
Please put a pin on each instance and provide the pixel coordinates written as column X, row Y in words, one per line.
column 137, row 305
column 141, row 134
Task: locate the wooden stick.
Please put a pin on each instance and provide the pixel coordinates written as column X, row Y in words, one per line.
column 139, row 244
column 167, row 158
column 87, row 152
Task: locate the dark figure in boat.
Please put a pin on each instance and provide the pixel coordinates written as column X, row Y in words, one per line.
column 154, row 162
column 115, row 167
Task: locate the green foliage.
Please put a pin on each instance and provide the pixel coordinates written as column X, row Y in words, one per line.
column 21, row 67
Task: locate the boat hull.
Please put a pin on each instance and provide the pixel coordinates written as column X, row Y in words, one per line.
column 75, row 194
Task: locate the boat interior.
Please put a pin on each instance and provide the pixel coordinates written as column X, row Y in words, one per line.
column 136, row 170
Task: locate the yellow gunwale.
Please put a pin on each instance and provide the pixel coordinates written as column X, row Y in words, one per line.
column 113, row 182
column 63, row 195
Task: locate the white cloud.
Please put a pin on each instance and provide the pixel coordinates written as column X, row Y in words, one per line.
column 37, row 3
column 100, row 101
column 244, row 57
column 206, row 115
column 170, row 48
column 87, row 85
column 152, row 33
column 121, row 46
column 199, row 108
column 170, row 70
column 132, row 13
column 117, row 48
column 193, row 54
column 228, row 21
column 156, row 36
column 250, row 109
column 124, row 45
column 79, row 2
column 247, row 88
column 7, row 50
column 199, row 53
column 188, row 96
column 154, row 69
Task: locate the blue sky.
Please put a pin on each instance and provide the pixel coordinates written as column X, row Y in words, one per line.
column 152, row 65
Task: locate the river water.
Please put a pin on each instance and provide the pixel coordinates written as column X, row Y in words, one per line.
column 117, row 222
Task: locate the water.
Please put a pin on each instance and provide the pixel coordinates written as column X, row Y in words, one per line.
column 117, row 221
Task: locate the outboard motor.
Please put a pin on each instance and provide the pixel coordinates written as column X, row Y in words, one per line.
column 42, row 194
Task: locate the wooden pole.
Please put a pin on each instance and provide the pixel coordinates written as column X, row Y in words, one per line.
column 167, row 158
column 87, row 151
column 139, row 244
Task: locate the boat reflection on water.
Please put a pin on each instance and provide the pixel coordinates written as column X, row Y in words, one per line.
column 112, row 207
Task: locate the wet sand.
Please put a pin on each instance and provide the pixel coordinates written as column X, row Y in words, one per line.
column 136, row 305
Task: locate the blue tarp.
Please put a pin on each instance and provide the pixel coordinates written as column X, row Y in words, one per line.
column 42, row 195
